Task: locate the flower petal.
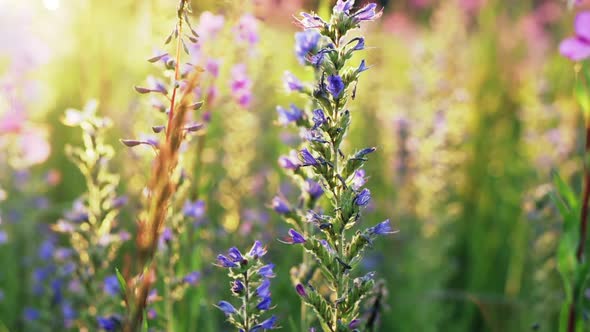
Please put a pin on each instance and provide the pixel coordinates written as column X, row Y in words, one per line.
column 575, row 49
column 582, row 25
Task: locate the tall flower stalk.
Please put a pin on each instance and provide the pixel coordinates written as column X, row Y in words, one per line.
column 165, row 177
column 251, row 284
column 321, row 166
column 572, row 265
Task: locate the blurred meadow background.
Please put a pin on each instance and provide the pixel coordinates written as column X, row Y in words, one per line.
column 468, row 102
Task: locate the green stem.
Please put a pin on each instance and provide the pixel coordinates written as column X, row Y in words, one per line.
column 246, row 301
column 169, row 303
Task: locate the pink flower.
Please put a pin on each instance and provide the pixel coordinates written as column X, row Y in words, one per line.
column 34, row 147
column 209, row 25
column 577, row 48
column 12, row 122
column 247, row 29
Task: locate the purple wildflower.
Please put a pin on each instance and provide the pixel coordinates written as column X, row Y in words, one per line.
column 358, row 179
column 290, row 162
column 226, row 307
column 306, row 42
column 209, row 25
column 382, row 228
column 258, row 250
column 307, row 158
column 267, row 271
column 318, row 118
column 335, row 85
column 362, row 67
column 295, row 237
column 363, row 198
column 577, row 48
column 237, row 287
column 314, row 189
column 194, row 210
column 247, row 29
column 107, row 323
column 241, row 85
column 30, row 314
column 263, row 291
column 343, row 6
column 225, row 262
column 264, row 303
column 311, row 21
column 292, row 83
column 268, row 324
column 286, row 116
column 280, row 205
column 360, row 43
column 301, row 290
column 46, row 249
column 235, row 255
column 367, row 13
column 192, row 278
column 111, row 285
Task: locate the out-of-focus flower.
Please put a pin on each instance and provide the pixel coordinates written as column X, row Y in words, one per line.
column 192, row 278
column 12, row 122
column 209, row 25
column 241, row 85
column 314, row 189
column 292, row 83
column 247, row 29
column 111, row 285
column 212, row 67
column 292, row 114
column 577, row 48
column 31, row 314
column 195, row 210
column 306, row 43
column 34, row 147
column 280, row 205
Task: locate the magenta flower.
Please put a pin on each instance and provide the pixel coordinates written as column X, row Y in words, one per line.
column 241, row 85
column 212, row 67
column 577, row 48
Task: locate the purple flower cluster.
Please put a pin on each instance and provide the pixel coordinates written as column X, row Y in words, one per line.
column 322, row 168
column 250, row 282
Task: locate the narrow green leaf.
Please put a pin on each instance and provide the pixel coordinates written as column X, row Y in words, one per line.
column 121, row 280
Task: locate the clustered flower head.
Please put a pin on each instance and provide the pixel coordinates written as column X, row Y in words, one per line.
column 250, row 283
column 323, row 169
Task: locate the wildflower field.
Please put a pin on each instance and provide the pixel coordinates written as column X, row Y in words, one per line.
column 294, row 165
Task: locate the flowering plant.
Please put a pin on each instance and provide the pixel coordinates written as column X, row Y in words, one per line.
column 322, row 167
